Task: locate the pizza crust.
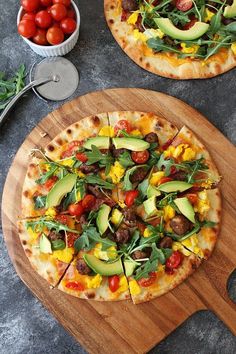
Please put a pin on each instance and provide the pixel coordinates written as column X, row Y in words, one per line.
column 164, row 64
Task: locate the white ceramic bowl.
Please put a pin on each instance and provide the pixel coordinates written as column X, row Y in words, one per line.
column 54, row 50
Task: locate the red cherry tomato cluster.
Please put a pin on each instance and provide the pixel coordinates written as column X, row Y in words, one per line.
column 47, row 22
column 86, row 204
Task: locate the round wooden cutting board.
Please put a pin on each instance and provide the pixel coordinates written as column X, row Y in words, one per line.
column 122, row 327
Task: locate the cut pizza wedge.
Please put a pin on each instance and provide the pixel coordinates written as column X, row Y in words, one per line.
column 48, row 244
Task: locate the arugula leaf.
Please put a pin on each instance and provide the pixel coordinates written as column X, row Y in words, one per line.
column 96, row 156
column 197, row 227
column 91, row 179
column 47, row 175
column 215, row 22
column 151, row 265
column 167, row 252
column 159, row 45
column 127, row 135
column 125, row 159
column 89, row 238
column 127, row 185
column 142, row 188
column 39, row 225
column 40, row 201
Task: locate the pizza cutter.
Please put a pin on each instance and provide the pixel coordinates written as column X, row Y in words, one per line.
column 54, row 78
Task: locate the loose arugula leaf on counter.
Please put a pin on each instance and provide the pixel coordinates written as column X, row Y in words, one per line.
column 11, row 87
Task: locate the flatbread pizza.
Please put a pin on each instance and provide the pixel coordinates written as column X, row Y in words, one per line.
column 126, row 209
column 176, row 39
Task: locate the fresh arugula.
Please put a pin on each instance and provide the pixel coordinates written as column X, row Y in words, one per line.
column 127, row 185
column 11, row 87
column 40, row 201
column 104, row 160
column 40, row 224
column 127, row 135
column 44, row 177
column 197, row 227
column 89, row 238
column 91, row 179
column 125, row 159
column 78, row 192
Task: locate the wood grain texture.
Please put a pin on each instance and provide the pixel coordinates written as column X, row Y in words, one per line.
column 123, row 327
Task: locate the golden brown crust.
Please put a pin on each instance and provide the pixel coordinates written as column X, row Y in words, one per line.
column 164, row 64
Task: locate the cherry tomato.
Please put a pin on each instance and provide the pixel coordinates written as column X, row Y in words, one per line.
column 88, row 202
column 173, row 170
column 141, row 227
column 130, row 197
column 113, row 283
column 55, row 36
column 123, row 124
column 192, row 197
column 63, row 2
column 29, row 16
column 140, row 156
column 81, row 157
column 190, row 24
column 40, row 37
column 145, row 282
column 75, row 285
column 155, row 222
column 70, row 13
column 46, row 3
column 165, row 179
column 72, row 146
column 58, row 12
column 50, row 182
column 75, row 209
column 30, row 5
column 174, row 261
column 71, row 238
column 68, row 25
column 184, row 5
column 167, row 144
column 63, row 219
column 27, row 28
column 43, row 19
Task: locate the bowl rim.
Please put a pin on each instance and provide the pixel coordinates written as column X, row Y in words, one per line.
column 45, row 47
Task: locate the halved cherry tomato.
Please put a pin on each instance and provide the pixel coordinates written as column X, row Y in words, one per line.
column 55, row 35
column 50, row 182
column 155, row 222
column 45, row 3
column 43, row 19
column 88, row 202
column 27, row 28
column 30, row 5
column 40, row 37
column 64, row 2
column 174, row 261
column 68, row 25
column 145, row 282
column 190, row 23
column 113, row 283
column 167, row 144
column 71, row 148
column 165, row 179
column 140, row 156
column 75, row 285
column 81, row 157
column 29, row 16
column 141, row 227
column 75, row 209
column 123, row 124
column 71, row 238
column 184, row 5
column 58, row 12
column 130, row 197
column 63, row 219
column 192, row 197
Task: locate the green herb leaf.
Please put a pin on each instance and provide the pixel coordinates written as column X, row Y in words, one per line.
column 40, row 202
column 47, row 175
column 96, row 156
column 89, row 238
column 125, row 159
column 91, row 179
column 58, row 245
column 127, row 185
column 39, row 225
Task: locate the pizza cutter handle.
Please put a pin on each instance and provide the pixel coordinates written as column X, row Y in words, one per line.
column 22, row 92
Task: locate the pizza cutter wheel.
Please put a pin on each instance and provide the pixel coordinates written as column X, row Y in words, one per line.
column 52, row 79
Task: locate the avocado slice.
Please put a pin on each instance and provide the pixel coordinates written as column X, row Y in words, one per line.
column 167, row 27
column 174, row 186
column 230, row 11
column 185, row 207
column 152, row 191
column 150, row 206
column 101, row 142
column 129, row 267
column 60, row 189
column 44, row 244
column 132, row 144
column 101, row 267
column 102, row 218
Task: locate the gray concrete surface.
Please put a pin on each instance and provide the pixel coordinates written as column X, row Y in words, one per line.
column 25, row 325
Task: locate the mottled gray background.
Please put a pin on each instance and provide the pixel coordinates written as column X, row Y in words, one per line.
column 25, row 325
